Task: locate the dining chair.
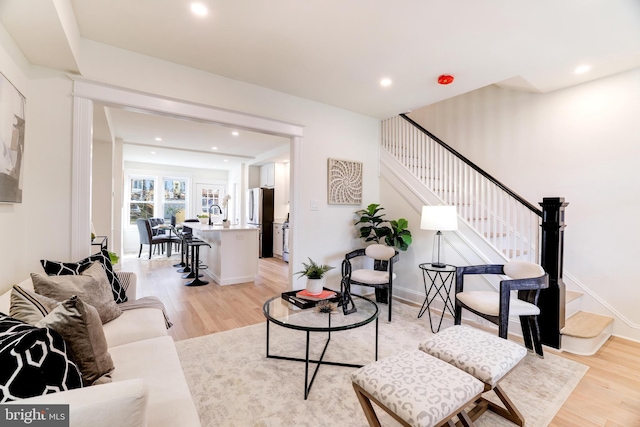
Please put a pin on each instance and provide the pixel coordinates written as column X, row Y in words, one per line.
column 147, row 237
column 524, row 277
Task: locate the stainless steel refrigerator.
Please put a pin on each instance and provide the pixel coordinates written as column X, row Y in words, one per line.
column 260, row 213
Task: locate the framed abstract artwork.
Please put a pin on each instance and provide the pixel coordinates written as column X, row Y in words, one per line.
column 12, row 125
column 345, row 182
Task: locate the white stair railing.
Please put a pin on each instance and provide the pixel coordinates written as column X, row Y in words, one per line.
column 506, row 220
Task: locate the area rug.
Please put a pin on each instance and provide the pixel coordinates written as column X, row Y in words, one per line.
column 233, row 384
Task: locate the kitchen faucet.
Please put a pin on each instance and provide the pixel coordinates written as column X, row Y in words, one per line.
column 211, row 206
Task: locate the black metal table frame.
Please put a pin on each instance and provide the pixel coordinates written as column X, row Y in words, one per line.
column 447, row 279
column 308, row 384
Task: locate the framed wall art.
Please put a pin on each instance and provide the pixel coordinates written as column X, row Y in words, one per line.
column 345, row 182
column 12, row 125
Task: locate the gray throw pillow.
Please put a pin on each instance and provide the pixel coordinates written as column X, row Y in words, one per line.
column 92, row 287
column 29, row 307
column 80, row 326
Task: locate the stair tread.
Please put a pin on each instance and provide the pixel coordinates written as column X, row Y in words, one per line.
column 586, row 325
column 572, row 295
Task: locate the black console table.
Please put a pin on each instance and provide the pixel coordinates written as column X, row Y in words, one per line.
column 100, row 241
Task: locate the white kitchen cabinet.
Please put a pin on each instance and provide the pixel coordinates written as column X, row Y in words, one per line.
column 277, row 239
column 267, row 175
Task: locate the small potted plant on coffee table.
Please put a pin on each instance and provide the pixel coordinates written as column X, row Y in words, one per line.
column 315, row 276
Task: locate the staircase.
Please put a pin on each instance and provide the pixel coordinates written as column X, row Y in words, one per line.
column 506, row 224
column 584, row 332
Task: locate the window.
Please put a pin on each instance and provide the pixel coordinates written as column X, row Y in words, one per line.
column 142, row 198
column 209, row 194
column 175, row 198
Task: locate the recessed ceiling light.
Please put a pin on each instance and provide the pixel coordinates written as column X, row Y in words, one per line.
column 386, row 82
column 214, row 148
column 235, row 133
column 582, row 69
column 153, row 152
column 199, row 9
column 226, row 160
column 158, row 138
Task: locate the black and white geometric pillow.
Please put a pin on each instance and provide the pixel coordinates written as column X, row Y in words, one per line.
column 33, row 361
column 56, row 268
column 117, row 289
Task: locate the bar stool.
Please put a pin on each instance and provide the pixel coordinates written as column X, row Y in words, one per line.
column 195, row 262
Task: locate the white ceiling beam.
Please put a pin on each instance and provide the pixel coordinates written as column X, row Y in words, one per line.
column 34, row 22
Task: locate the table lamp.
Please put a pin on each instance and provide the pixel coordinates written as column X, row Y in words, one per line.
column 439, row 218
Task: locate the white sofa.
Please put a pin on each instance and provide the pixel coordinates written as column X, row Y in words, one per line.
column 148, row 388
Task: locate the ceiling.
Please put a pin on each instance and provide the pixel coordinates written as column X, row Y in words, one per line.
column 336, row 51
column 186, row 143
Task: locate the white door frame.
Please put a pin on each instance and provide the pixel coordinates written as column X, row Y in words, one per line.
column 86, row 92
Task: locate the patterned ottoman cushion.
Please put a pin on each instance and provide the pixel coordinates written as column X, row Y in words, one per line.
column 420, row 389
column 479, row 353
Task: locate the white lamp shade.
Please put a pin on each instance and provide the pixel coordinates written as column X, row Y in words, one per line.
column 440, row 218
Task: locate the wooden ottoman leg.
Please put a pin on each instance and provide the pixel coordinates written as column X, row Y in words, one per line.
column 456, row 345
column 372, row 418
column 464, row 419
column 512, row 413
column 441, row 393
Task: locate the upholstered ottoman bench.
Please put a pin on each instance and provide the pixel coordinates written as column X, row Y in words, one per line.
column 487, row 357
column 416, row 389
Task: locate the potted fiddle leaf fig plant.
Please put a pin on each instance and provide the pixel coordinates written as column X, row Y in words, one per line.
column 374, row 228
column 315, row 276
column 400, row 236
column 371, row 220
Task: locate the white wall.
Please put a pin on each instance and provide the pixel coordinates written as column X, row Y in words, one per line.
column 101, row 190
column 326, row 234
column 39, row 227
column 581, row 143
column 13, row 261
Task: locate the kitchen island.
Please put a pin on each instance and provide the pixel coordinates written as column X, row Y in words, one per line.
column 233, row 256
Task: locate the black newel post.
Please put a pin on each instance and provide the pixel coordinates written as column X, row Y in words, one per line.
column 552, row 300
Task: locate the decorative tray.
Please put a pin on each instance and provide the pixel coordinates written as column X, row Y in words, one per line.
column 303, row 303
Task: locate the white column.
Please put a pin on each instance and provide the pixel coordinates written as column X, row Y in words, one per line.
column 81, row 178
column 295, row 204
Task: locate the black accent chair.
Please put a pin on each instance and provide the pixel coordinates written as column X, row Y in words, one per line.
column 147, row 237
column 380, row 278
column 525, row 277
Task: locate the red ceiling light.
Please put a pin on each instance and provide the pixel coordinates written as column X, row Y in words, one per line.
column 445, row 79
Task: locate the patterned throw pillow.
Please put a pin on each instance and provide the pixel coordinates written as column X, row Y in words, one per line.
column 33, row 361
column 56, row 268
column 91, row 286
column 29, row 307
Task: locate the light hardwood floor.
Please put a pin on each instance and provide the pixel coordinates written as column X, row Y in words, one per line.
column 608, row 395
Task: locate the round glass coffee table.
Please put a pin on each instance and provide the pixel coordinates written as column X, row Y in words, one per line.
column 280, row 312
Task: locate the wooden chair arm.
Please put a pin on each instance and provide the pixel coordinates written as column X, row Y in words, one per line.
column 475, row 269
column 528, row 284
column 356, row 253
